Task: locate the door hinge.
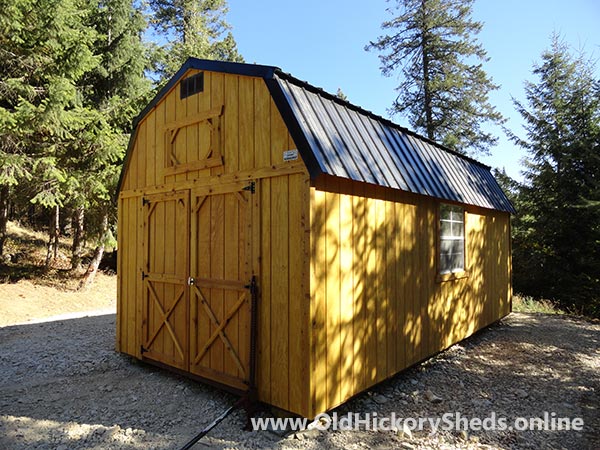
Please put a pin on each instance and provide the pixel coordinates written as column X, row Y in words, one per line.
column 144, row 275
column 252, row 285
column 251, row 187
column 145, row 201
column 142, row 349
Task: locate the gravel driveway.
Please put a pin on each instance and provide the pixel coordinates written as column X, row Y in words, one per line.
column 62, row 386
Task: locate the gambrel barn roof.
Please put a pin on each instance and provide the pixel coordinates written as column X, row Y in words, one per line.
column 337, row 138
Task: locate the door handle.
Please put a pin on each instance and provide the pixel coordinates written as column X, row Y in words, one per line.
column 191, row 281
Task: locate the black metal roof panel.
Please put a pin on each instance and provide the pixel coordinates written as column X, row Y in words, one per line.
column 349, row 142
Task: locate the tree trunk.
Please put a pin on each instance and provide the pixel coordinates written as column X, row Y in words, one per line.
column 426, row 76
column 53, row 236
column 427, row 93
column 77, row 248
column 92, row 269
column 3, row 216
column 187, row 18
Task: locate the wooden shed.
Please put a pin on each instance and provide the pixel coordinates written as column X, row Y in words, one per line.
column 274, row 237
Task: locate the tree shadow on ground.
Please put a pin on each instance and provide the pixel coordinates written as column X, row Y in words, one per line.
column 62, row 383
column 59, row 377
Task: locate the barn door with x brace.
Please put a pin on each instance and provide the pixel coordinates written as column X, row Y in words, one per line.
column 165, row 310
column 221, row 283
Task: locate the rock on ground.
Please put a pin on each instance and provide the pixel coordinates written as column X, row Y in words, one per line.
column 62, row 386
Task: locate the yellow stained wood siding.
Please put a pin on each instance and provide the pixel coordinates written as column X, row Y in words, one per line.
column 252, row 138
column 346, row 271
column 129, row 290
column 252, row 132
column 376, row 304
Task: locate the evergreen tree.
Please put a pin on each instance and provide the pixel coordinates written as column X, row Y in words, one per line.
column 557, row 231
column 114, row 92
column 45, row 49
column 192, row 28
column 444, row 89
column 118, row 86
column 509, row 186
column 72, row 82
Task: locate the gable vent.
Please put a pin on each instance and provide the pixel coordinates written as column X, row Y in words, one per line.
column 191, row 85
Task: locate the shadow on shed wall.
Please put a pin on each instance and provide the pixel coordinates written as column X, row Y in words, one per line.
column 377, row 307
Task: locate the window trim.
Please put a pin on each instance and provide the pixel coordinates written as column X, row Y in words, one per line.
column 458, row 274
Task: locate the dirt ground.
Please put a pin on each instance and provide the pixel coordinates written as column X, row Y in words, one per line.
column 24, row 301
column 62, row 386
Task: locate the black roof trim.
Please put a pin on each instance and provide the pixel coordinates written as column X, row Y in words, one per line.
column 267, row 72
column 312, row 164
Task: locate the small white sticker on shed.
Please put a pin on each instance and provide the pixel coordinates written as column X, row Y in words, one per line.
column 290, row 155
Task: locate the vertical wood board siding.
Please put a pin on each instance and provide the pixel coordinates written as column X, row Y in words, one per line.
column 346, row 271
column 252, row 135
column 376, row 307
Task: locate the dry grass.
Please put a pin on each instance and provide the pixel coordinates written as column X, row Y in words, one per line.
column 26, row 251
column 527, row 304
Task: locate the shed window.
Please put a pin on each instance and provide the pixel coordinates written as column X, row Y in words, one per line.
column 191, row 85
column 452, row 239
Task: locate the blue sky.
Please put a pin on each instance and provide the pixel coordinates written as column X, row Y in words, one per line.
column 322, row 42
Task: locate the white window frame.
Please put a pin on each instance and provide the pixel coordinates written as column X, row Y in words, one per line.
column 451, row 239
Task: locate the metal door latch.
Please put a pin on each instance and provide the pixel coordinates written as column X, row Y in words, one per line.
column 191, row 281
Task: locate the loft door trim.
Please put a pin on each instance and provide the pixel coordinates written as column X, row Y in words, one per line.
column 213, row 158
column 176, row 125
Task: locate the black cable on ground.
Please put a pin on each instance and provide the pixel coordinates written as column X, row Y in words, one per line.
column 211, row 425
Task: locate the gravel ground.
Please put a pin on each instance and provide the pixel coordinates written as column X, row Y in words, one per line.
column 62, row 386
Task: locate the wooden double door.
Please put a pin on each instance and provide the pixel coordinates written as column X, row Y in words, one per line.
column 197, row 279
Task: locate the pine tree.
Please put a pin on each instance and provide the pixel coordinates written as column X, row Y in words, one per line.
column 114, row 92
column 192, row 28
column 444, row 89
column 557, row 240
column 45, row 49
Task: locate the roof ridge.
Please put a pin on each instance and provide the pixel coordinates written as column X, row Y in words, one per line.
column 320, row 91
